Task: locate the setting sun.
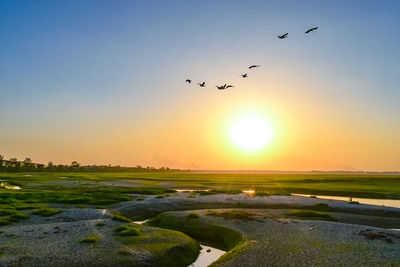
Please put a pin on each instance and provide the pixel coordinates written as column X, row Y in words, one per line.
column 250, row 132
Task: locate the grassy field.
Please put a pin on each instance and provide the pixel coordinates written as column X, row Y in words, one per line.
column 105, row 188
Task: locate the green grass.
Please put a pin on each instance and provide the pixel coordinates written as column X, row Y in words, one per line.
column 319, row 207
column 101, row 223
column 13, row 218
column 169, row 248
column 18, row 216
column 7, row 211
column 310, row 215
column 5, row 221
column 93, row 238
column 46, row 212
column 120, row 218
column 192, row 215
column 233, row 215
column 127, row 230
column 192, row 195
column 92, row 191
column 208, row 233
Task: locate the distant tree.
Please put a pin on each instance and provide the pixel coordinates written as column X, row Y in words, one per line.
column 75, row 165
column 27, row 161
column 40, row 167
column 14, row 164
column 28, row 164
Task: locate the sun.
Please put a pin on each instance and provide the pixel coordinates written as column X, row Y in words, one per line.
column 250, row 132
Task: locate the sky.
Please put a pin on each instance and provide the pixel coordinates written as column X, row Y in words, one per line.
column 103, row 82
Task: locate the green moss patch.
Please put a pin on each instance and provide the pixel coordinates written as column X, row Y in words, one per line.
column 120, row 218
column 46, row 212
column 127, row 230
column 320, row 207
column 310, row 215
column 234, row 215
column 5, row 221
column 100, row 223
column 18, row 216
column 93, row 238
column 192, row 215
column 7, row 211
column 209, row 233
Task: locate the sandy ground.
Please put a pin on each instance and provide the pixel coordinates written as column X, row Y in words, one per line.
column 45, row 241
column 289, row 242
column 55, row 241
column 349, row 213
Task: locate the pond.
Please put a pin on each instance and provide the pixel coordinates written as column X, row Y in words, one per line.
column 9, row 186
column 207, row 256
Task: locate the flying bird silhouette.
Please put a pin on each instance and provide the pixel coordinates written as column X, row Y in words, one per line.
column 203, row 84
column 312, row 29
column 283, row 36
column 222, row 87
column 188, row 80
column 244, row 75
column 254, row 66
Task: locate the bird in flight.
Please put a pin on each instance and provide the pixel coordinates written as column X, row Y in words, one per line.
column 254, row 66
column 244, row 75
column 312, row 29
column 222, row 87
column 188, row 80
column 203, row 84
column 283, row 36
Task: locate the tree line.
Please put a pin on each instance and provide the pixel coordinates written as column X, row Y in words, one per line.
column 27, row 165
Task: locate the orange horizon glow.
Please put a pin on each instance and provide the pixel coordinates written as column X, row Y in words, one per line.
column 199, row 139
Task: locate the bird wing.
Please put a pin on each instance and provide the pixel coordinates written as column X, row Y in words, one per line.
column 312, row 29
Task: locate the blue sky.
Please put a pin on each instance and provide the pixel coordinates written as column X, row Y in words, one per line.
column 89, row 66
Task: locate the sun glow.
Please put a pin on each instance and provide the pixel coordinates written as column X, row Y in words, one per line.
column 250, row 132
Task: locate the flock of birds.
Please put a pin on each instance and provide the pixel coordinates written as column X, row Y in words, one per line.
column 226, row 86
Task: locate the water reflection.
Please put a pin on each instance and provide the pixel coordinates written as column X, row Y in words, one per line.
column 395, row 203
column 141, row 222
column 249, row 191
column 9, row 186
column 207, row 256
